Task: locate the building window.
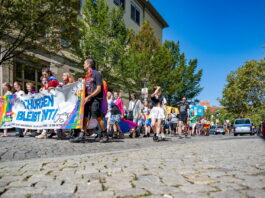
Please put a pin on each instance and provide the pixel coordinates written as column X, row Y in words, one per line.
column 25, row 72
column 120, row 2
column 135, row 13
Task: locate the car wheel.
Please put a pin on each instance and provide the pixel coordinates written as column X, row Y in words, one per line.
column 251, row 134
column 235, row 134
column 223, row 133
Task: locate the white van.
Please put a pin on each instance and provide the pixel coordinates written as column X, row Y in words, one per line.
column 243, row 126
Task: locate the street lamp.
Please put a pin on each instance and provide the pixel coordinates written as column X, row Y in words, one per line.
column 144, row 91
column 145, row 80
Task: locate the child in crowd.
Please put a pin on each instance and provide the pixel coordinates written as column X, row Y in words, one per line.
column 145, row 113
column 31, row 90
column 173, row 121
column 19, row 92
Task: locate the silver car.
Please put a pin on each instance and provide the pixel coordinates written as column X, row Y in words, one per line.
column 243, row 126
column 217, row 130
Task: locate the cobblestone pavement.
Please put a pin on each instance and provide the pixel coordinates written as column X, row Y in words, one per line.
column 14, row 148
column 214, row 166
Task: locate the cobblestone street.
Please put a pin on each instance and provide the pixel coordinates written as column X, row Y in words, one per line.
column 214, row 166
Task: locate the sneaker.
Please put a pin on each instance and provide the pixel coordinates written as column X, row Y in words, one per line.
column 34, row 134
column 145, row 136
column 80, row 138
column 131, row 135
column 41, row 136
column 137, row 134
column 94, row 135
column 121, row 135
column 115, row 135
column 105, row 137
column 155, row 138
column 51, row 135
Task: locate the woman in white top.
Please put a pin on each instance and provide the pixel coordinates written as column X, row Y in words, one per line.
column 8, row 91
column 157, row 113
column 19, row 92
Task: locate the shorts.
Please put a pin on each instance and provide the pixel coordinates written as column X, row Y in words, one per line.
column 157, row 113
column 115, row 119
column 183, row 118
column 173, row 126
column 92, row 109
column 148, row 122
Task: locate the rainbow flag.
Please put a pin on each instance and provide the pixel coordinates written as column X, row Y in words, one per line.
column 104, row 105
column 6, row 110
column 77, row 115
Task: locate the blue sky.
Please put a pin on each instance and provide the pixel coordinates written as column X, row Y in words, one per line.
column 221, row 34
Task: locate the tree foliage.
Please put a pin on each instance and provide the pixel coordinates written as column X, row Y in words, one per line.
column 103, row 36
column 244, row 93
column 145, row 58
column 184, row 79
column 162, row 65
column 35, row 24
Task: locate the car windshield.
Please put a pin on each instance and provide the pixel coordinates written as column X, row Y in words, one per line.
column 219, row 127
column 247, row 121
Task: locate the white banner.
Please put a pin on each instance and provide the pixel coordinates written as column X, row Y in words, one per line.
column 60, row 108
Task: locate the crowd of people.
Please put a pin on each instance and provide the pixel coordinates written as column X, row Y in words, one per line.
column 148, row 114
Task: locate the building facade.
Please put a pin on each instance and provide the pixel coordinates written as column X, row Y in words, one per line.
column 27, row 67
column 138, row 11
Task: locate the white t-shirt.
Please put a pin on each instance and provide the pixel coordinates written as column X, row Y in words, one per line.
column 19, row 93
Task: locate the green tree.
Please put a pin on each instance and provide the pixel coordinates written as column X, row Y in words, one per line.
column 244, row 93
column 162, row 65
column 26, row 25
column 103, row 36
column 144, row 58
column 183, row 79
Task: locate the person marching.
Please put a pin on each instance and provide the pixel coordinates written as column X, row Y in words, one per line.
column 135, row 107
column 19, row 92
column 173, row 121
column 51, row 83
column 146, row 121
column 31, row 90
column 157, row 113
column 93, row 100
column 193, row 120
column 67, row 79
column 183, row 118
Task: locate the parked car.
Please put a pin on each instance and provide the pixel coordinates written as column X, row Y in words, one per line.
column 212, row 129
column 217, row 130
column 243, row 126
